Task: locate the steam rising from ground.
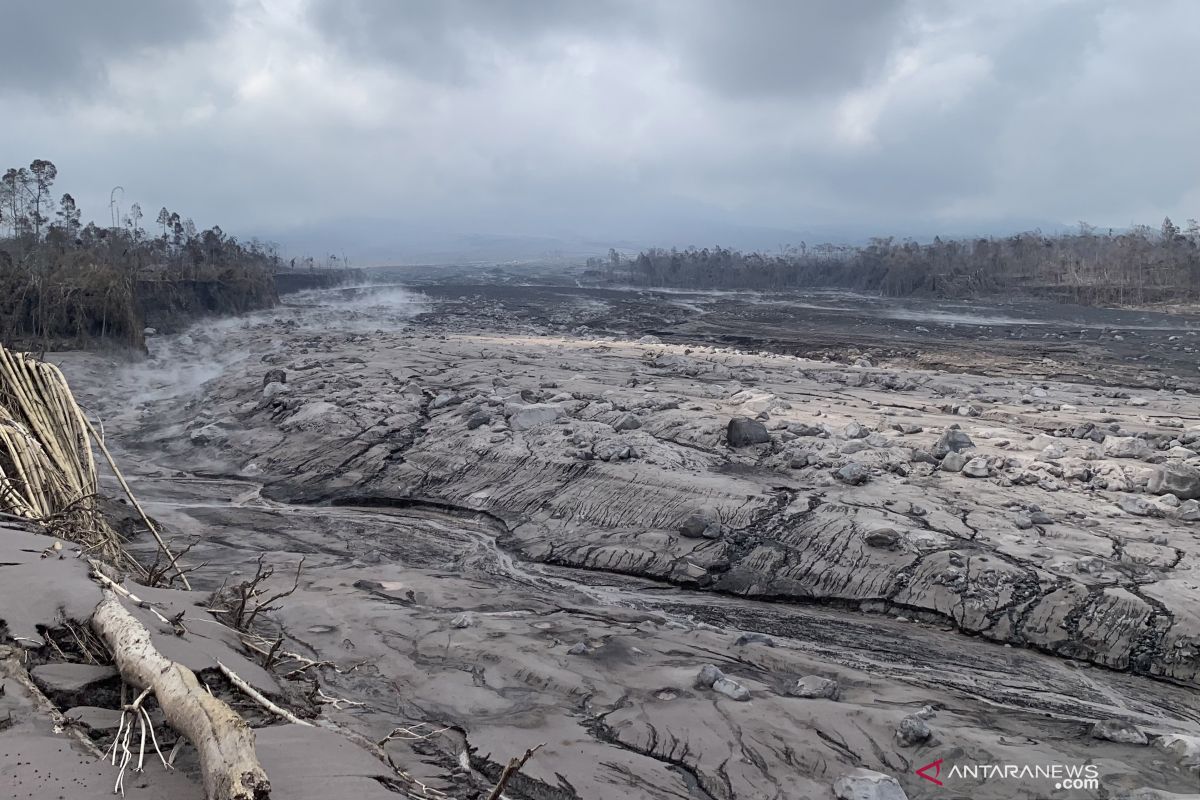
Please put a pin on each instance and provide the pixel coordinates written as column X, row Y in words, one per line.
column 180, row 364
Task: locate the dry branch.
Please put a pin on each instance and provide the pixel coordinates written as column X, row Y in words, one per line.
column 224, row 741
column 259, row 697
column 514, row 766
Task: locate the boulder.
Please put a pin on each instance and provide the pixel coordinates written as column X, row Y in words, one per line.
column 913, row 730
column 1117, row 730
column 743, row 432
column 477, row 420
column 731, row 689
column 804, row 429
column 953, row 462
column 274, row 376
column 628, row 422
column 1127, row 447
column 1188, row 511
column 1181, row 480
column 1185, row 749
column 814, row 686
column 854, row 474
column 855, row 431
column 952, row 441
column 702, row 524
column 1139, row 506
column 707, row 676
column 866, row 784
column 975, row 468
column 883, row 537
column 754, row 638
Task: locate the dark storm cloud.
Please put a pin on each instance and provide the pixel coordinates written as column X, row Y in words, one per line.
column 60, row 45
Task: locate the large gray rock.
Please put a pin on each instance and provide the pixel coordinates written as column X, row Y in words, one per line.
column 952, row 441
column 1117, row 730
column 707, row 676
column 731, row 689
column 1138, row 506
column 866, row 784
column 913, row 730
column 953, row 462
column 743, row 432
column 628, row 422
column 883, row 536
column 854, row 474
column 855, row 430
column 1184, row 748
column 1127, row 447
column 1188, row 511
column 1181, row 480
column 702, row 524
column 975, row 468
column 814, row 686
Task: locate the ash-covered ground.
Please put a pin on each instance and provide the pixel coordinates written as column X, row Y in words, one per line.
column 703, row 545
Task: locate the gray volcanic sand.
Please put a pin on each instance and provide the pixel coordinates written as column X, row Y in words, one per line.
column 521, row 581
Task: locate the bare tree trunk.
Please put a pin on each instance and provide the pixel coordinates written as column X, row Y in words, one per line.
column 223, row 739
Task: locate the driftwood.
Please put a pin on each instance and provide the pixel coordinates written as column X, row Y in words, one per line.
column 224, row 741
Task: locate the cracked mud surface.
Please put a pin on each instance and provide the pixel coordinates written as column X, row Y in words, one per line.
column 501, row 549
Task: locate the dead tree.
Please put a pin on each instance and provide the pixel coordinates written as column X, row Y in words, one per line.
column 228, row 763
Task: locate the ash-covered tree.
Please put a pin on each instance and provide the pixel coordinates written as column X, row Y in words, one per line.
column 64, row 231
column 15, row 188
column 134, row 219
column 41, row 203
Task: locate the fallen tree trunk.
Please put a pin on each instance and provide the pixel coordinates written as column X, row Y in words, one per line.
column 223, row 739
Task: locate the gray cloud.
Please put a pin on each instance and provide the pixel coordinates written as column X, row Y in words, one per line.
column 784, row 48
column 663, row 121
column 65, row 45
column 456, row 41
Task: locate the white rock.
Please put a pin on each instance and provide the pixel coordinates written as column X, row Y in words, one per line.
column 865, row 784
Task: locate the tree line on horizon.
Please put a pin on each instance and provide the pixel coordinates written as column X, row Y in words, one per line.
column 65, row 281
column 1140, row 265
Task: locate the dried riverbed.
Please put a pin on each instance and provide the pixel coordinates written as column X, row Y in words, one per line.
column 520, row 529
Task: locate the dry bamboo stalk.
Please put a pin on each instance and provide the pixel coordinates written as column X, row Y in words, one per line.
column 138, row 506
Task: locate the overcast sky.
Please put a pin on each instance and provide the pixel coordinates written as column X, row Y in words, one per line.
column 623, row 120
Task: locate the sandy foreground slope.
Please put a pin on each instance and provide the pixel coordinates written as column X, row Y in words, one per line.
column 515, row 534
